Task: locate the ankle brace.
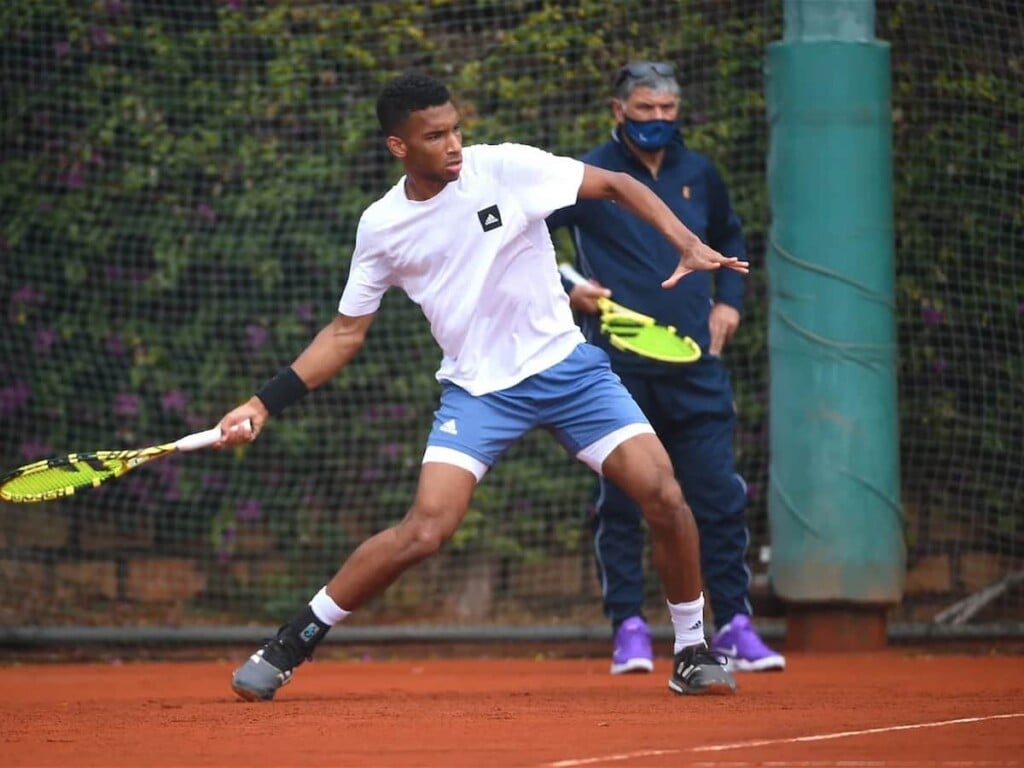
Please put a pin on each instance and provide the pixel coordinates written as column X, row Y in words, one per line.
column 307, row 629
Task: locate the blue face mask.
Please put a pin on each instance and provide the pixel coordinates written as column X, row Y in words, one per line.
column 650, row 134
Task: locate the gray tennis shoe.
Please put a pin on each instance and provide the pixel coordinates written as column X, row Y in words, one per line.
column 272, row 665
column 263, row 673
column 697, row 670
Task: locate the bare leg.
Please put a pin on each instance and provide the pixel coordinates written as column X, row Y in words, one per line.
column 442, row 499
column 641, row 467
column 440, row 504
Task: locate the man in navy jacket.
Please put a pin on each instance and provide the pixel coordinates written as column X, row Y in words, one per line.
column 690, row 406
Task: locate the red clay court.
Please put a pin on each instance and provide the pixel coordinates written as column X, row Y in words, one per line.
column 901, row 707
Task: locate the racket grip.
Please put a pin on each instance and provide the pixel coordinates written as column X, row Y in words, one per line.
column 204, row 439
column 569, row 273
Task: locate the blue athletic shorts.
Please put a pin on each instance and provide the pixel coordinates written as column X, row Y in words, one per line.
column 580, row 400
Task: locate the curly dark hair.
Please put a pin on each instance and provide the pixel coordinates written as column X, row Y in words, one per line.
column 406, row 94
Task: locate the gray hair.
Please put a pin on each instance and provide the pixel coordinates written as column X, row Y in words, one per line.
column 656, row 75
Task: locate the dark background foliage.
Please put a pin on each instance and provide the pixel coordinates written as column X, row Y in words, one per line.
column 179, row 193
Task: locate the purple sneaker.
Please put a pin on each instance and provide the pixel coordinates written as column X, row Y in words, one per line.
column 739, row 642
column 632, row 647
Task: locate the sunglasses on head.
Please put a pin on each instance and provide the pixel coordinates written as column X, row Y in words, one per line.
column 640, row 69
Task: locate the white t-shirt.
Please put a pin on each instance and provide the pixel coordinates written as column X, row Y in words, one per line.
column 478, row 260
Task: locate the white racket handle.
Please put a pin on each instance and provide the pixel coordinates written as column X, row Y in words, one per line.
column 204, row 439
column 569, row 273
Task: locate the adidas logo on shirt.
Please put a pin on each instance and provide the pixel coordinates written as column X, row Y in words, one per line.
column 449, row 427
column 490, row 218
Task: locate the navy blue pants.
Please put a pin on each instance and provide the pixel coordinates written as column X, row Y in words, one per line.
column 692, row 412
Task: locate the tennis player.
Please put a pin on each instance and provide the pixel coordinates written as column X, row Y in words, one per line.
column 463, row 234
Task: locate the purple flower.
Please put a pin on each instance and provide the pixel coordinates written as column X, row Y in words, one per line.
column 391, row 450
column 27, row 296
column 932, row 316
column 120, row 274
column 35, row 449
column 14, row 397
column 115, row 346
column 61, row 48
column 173, row 401
column 213, row 481
column 101, row 37
column 196, row 420
column 274, row 478
column 1020, row 309
column 170, row 473
column 939, row 366
column 23, row 295
column 255, row 336
column 115, row 7
column 249, row 511
column 305, row 312
column 45, row 339
column 206, row 212
column 233, row 5
column 73, row 179
column 753, row 491
column 370, row 475
column 126, row 405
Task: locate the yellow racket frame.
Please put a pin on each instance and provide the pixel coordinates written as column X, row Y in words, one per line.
column 63, row 476
column 635, row 332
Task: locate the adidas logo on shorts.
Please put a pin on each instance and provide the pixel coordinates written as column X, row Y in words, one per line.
column 449, row 427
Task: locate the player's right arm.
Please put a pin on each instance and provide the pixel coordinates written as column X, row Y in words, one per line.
column 332, row 349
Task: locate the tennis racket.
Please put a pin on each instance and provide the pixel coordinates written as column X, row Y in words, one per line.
column 632, row 331
column 62, row 476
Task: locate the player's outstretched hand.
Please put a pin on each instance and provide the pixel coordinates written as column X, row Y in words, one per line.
column 699, row 257
column 233, row 428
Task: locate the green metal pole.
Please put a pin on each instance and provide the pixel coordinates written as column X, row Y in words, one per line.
column 833, row 505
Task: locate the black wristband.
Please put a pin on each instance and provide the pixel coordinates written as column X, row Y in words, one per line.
column 285, row 389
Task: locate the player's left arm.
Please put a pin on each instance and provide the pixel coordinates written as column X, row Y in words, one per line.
column 636, row 198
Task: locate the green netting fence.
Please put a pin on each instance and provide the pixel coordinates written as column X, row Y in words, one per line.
column 179, row 192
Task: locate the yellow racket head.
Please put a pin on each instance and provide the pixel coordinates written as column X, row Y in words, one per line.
column 656, row 342
column 56, row 478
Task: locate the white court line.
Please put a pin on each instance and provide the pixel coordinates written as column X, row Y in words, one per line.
column 845, row 734
column 767, row 742
column 611, row 758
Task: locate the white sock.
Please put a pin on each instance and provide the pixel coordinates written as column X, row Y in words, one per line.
column 325, row 609
column 688, row 622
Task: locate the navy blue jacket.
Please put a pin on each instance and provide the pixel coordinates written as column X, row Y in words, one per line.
column 630, row 257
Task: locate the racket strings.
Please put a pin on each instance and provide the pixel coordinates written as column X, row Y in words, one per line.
column 66, row 476
column 657, row 343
